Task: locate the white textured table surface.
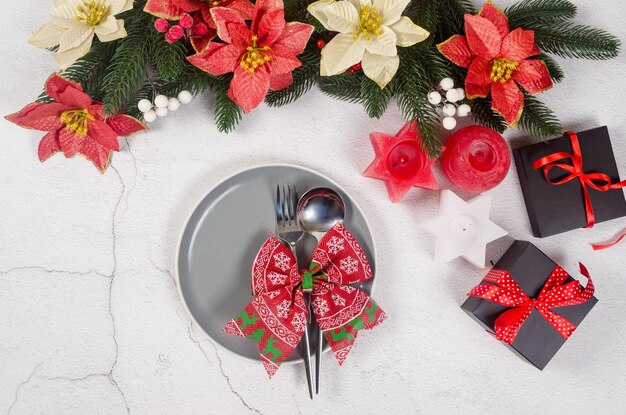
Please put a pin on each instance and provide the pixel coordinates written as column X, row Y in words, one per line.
column 91, row 321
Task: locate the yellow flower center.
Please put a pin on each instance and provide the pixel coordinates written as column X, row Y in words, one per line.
column 369, row 22
column 212, row 2
column 91, row 12
column 254, row 56
column 502, row 69
column 77, row 121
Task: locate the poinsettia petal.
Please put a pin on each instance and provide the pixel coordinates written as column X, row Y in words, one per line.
column 249, row 89
column 408, row 33
column 46, row 36
column 103, row 134
column 280, row 81
column 391, row 10
column 482, row 36
column 475, row 91
column 73, row 37
column 533, row 76
column 479, row 72
column 282, row 60
column 48, row 146
column 240, row 35
column 99, row 155
column 67, row 92
column 380, row 69
column 261, row 7
column 317, row 10
column 200, row 43
column 125, row 125
column 217, row 58
column 518, row 45
column 67, row 58
column 457, row 51
column 118, row 33
column 189, row 5
column 342, row 17
column 163, row 8
column 70, row 142
column 39, row 116
column 383, row 44
column 295, row 36
column 508, row 100
column 242, row 6
column 224, row 17
column 271, row 27
column 340, row 53
column 492, row 13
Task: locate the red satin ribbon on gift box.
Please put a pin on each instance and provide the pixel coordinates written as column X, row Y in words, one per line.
column 598, row 181
column 555, row 293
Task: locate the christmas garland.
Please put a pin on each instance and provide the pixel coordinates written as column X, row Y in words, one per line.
column 118, row 57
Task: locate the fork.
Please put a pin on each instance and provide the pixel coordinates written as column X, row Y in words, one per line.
column 289, row 231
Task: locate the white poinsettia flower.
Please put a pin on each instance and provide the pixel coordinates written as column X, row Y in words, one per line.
column 369, row 31
column 74, row 24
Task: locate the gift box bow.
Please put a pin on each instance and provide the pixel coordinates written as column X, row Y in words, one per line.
column 556, row 292
column 277, row 316
column 598, row 181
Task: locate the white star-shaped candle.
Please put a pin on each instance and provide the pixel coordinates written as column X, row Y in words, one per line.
column 463, row 228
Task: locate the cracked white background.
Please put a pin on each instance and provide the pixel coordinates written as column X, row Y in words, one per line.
column 91, row 321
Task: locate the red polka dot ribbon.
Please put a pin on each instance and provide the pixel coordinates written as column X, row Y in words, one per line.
column 598, row 181
column 556, row 292
column 277, row 316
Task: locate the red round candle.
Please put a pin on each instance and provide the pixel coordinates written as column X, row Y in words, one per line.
column 476, row 159
column 405, row 160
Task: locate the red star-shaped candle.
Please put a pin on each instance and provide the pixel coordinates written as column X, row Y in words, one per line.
column 400, row 162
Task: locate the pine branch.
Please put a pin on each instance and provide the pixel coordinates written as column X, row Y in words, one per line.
column 538, row 120
column 570, row 40
column 529, row 12
column 129, row 64
column 191, row 79
column 374, row 99
column 227, row 113
column 556, row 73
column 424, row 14
column 145, row 92
column 344, row 87
column 304, row 78
column 169, row 59
column 451, row 15
column 484, row 115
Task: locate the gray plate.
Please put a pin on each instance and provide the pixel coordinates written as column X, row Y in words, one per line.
column 223, row 235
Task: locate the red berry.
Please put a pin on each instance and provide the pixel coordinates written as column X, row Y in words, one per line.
column 351, row 71
column 356, row 66
column 161, row 25
column 186, row 21
column 200, row 29
column 321, row 43
column 175, row 32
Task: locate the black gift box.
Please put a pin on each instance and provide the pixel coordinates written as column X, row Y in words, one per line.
column 537, row 341
column 556, row 209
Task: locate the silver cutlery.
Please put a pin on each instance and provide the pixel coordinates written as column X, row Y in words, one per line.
column 319, row 209
column 288, row 230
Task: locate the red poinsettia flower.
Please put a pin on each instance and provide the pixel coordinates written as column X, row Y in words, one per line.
column 498, row 61
column 201, row 12
column 75, row 124
column 261, row 57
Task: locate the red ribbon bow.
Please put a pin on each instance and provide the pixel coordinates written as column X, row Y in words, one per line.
column 277, row 316
column 598, row 181
column 555, row 293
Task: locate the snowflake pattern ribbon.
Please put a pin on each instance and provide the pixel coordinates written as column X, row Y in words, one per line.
column 502, row 289
column 277, row 316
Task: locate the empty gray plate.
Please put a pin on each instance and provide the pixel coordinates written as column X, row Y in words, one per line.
column 223, row 235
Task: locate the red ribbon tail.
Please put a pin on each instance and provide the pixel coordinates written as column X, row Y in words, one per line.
column 615, row 241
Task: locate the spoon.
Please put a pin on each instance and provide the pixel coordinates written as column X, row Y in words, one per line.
column 319, row 209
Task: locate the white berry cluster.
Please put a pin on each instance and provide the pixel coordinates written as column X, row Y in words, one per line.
column 162, row 105
column 450, row 99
